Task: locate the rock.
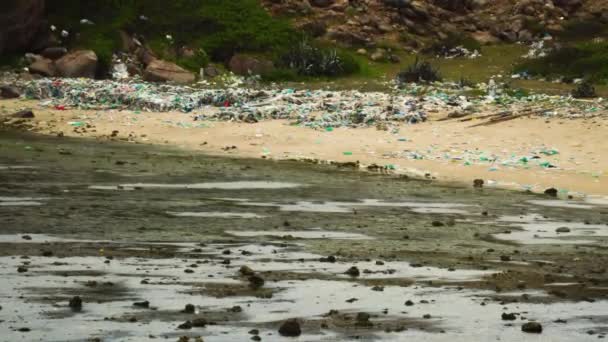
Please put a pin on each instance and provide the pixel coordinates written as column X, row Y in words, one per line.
column 144, row 304
column 247, row 65
column 290, row 328
column 353, row 271
column 532, row 328
column 322, row 3
column 236, row 309
column 362, row 320
column 505, row 258
column 330, row 259
column 437, row 224
column 508, row 316
column 189, row 309
column 211, row 71
column 8, row 92
column 255, row 281
column 246, row 271
column 21, row 269
column 314, row 28
column 562, row 230
column 23, row 114
column 427, row 316
column 54, row 53
column 81, row 63
column 163, row 71
column 20, row 23
column 199, row 323
column 362, row 52
column 42, row 66
column 185, row 326
column 551, row 192
column 254, row 332
column 478, row 183
column 409, row 303
column 378, row 55
column 76, row 303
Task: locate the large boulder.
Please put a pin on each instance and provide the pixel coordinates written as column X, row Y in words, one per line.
column 163, row 71
column 81, row 63
column 248, row 65
column 20, row 22
column 41, row 66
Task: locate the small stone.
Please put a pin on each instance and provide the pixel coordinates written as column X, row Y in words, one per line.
column 437, row 224
column 185, row 326
column 255, row 281
column 76, row 303
column 189, row 309
column 187, row 270
column 24, row 329
column 478, row 183
column 409, row 303
column 353, row 271
column 23, row 114
column 21, row 269
column 236, row 309
column 551, row 192
column 256, row 338
column 254, row 332
column 246, row 271
column 562, row 230
column 199, row 323
column 8, row 92
column 427, row 316
column 532, row 328
column 47, row 253
column 379, row 263
column 505, row 258
column 378, row 288
column 290, row 328
column 330, row 258
column 508, row 316
column 144, row 304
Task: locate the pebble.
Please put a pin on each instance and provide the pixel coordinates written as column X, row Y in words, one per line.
column 532, row 328
column 290, row 328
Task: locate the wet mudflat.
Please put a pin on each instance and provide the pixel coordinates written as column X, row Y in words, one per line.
column 123, row 242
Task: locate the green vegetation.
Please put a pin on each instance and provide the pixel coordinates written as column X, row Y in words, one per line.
column 583, row 60
column 584, row 90
column 419, row 72
column 216, row 27
column 306, row 59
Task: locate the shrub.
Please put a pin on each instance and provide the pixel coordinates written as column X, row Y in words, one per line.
column 309, row 60
column 419, row 72
column 584, row 90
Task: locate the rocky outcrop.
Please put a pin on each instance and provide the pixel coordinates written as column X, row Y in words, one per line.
column 20, row 22
column 248, row 65
column 81, row 63
column 163, row 71
column 42, row 66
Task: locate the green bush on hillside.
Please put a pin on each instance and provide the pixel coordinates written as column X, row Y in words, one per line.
column 309, row 60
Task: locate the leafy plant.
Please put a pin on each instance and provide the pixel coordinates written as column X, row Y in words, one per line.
column 309, row 60
column 584, row 90
column 419, row 72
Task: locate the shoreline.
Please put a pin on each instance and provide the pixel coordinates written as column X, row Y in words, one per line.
column 507, row 155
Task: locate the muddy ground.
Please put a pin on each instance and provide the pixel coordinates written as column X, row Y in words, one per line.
column 252, row 243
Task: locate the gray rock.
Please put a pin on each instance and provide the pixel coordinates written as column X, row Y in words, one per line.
column 290, row 328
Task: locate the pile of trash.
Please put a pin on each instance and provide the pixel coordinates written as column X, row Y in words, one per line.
column 311, row 108
column 460, row 52
column 314, row 108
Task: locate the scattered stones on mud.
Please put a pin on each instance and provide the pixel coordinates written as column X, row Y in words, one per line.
column 290, row 328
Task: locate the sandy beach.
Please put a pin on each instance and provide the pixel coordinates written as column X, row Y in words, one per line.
column 529, row 153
